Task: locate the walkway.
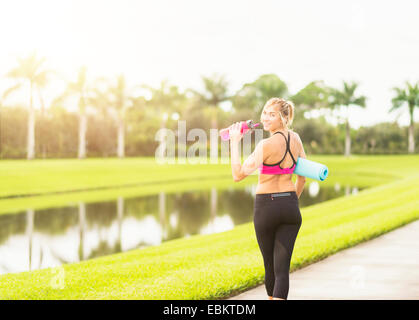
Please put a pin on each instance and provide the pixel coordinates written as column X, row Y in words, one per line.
column 386, row 267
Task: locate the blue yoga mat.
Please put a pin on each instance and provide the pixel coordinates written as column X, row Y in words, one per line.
column 311, row 169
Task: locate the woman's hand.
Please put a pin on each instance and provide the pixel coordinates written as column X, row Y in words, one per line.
column 234, row 132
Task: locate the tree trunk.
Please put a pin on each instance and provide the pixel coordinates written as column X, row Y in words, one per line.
column 163, row 143
column 214, row 120
column 411, row 135
column 121, row 139
column 82, row 135
column 348, row 139
column 42, row 141
column 31, row 129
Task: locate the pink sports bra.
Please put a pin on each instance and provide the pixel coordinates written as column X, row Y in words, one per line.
column 276, row 168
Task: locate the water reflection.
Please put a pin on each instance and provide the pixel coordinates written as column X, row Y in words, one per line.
column 82, row 229
column 313, row 189
column 52, row 237
column 29, row 232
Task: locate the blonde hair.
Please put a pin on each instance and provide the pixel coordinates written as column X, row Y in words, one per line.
column 286, row 110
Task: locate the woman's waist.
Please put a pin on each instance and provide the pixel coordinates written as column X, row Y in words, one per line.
column 275, row 186
column 291, row 194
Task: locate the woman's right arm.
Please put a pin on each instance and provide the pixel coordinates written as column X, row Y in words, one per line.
column 301, row 180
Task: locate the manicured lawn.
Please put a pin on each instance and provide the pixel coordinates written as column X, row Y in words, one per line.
column 35, row 177
column 55, row 183
column 218, row 265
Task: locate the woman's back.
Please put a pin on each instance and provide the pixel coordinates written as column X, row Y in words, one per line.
column 276, row 147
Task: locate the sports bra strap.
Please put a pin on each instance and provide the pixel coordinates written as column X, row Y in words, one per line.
column 288, row 148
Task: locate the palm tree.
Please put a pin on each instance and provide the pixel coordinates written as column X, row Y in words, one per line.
column 312, row 96
column 254, row 95
column 30, row 70
column 120, row 98
column 2, row 99
column 82, row 90
column 345, row 99
column 215, row 92
column 409, row 95
column 165, row 100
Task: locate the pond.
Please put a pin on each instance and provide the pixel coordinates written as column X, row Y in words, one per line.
column 39, row 239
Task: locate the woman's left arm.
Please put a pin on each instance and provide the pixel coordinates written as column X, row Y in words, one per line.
column 238, row 170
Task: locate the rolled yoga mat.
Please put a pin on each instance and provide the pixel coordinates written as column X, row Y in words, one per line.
column 311, row 169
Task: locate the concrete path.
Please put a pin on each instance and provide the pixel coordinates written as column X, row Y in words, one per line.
column 385, row 268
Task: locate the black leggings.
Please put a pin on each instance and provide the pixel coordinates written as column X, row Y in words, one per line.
column 277, row 220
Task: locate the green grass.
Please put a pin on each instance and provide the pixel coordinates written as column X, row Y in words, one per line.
column 55, row 183
column 36, row 177
column 219, row 265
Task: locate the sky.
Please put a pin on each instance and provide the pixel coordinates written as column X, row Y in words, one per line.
column 374, row 43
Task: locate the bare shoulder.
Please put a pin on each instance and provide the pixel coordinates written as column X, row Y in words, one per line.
column 299, row 144
column 264, row 148
column 263, row 144
column 296, row 135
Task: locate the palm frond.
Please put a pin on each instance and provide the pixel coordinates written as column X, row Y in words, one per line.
column 11, row 90
column 401, row 97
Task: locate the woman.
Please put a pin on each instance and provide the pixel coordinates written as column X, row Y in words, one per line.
column 277, row 217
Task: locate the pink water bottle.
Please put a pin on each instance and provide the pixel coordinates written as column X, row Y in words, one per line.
column 246, row 126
